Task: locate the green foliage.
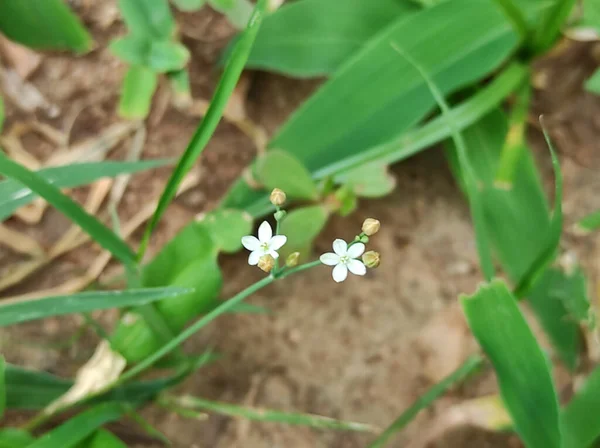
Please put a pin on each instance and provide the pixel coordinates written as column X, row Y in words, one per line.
column 226, row 228
column 158, row 56
column 580, row 425
column 50, row 25
column 549, row 25
column 150, row 19
column 137, row 91
column 15, row 438
column 522, row 370
column 591, row 14
column 302, row 226
column 189, row 5
column 103, row 439
column 370, row 181
column 278, row 169
column 589, row 222
column 238, row 12
column 2, row 386
column 593, row 83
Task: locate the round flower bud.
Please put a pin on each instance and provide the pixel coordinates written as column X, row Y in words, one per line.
column 292, row 259
column 371, row 226
column 277, row 197
column 279, row 215
column 266, row 263
column 371, row 259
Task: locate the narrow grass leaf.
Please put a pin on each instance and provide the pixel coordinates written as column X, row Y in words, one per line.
column 78, row 428
column 523, row 373
column 2, row 386
column 232, row 72
column 425, row 400
column 579, row 418
column 189, row 5
column 14, row 195
column 137, row 91
column 104, row 439
column 278, row 169
column 593, row 83
column 1, row 113
column 550, row 23
column 46, row 25
column 15, row 438
column 148, row 18
column 12, row 312
column 589, row 223
column 267, row 415
column 98, row 231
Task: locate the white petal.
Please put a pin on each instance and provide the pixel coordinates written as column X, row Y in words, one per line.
column 250, row 242
column 330, row 259
column 357, row 267
column 254, row 257
column 340, row 247
column 264, row 232
column 273, row 253
column 277, row 241
column 356, row 250
column 340, row 272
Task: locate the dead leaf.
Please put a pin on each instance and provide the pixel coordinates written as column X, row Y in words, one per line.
column 22, row 59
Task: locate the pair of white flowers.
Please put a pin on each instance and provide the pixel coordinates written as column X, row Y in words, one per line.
column 344, row 258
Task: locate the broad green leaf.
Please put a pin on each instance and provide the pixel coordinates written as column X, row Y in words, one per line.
column 377, row 95
column 222, row 4
column 167, row 56
column 302, row 226
column 591, row 14
column 98, row 231
column 12, row 312
column 189, row 5
column 133, row 337
column 523, row 373
column 238, row 12
column 227, row 227
column 104, row 439
column 266, row 415
column 589, row 223
column 593, row 83
column 467, row 368
column 14, row 195
column 370, row 181
column 2, row 386
column 148, row 18
column 278, row 169
column 314, row 37
column 49, row 25
column 137, row 91
column 14, row 438
column 133, row 49
column 579, row 418
column 231, row 74
column 81, row 426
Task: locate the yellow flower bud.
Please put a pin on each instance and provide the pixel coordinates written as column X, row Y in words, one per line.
column 266, row 263
column 371, row 226
column 277, row 197
column 371, row 259
column 292, row 259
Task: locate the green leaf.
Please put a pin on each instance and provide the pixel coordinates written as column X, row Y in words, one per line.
column 370, row 181
column 151, row 19
column 238, row 12
column 593, row 83
column 231, row 74
column 589, row 223
column 523, row 373
column 1, row 113
column 98, row 231
column 227, row 227
column 591, row 14
column 277, row 169
column 314, row 37
column 167, row 56
column 189, row 5
column 2, row 386
column 104, row 439
column 580, row 424
column 133, row 49
column 573, row 292
column 15, row 438
column 180, row 86
column 137, row 91
column 549, row 25
column 81, row 426
column 14, row 195
column 466, row 369
column 12, row 312
column 302, row 226
column 50, row 25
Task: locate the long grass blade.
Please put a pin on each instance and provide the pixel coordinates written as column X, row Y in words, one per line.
column 98, row 231
column 2, row 386
column 467, row 368
column 231, row 74
column 580, row 423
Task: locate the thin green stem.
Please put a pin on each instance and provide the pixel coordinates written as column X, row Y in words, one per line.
column 303, row 267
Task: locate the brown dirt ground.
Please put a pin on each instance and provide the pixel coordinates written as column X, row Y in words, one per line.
column 362, row 350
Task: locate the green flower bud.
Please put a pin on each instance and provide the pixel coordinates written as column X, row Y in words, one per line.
column 279, row 215
column 292, row 259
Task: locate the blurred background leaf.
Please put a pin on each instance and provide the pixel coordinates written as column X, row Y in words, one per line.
column 593, row 83
column 580, row 424
column 103, row 439
column 226, row 228
column 189, row 5
column 137, row 91
column 277, row 169
column 302, row 226
column 15, row 438
column 148, row 18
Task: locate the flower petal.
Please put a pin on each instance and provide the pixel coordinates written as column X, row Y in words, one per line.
column 250, row 242
column 340, row 272
column 356, row 250
column 264, row 232
column 254, row 257
column 277, row 241
column 357, row 267
column 340, row 247
column 273, row 253
column 330, row 259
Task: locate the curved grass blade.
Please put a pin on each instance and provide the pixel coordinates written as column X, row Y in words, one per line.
column 552, row 21
column 466, row 369
column 104, row 439
column 98, row 231
column 78, row 428
column 15, row 438
column 523, row 372
column 468, row 175
column 23, row 311
column 265, row 415
column 580, row 423
column 232, row 72
column 14, row 195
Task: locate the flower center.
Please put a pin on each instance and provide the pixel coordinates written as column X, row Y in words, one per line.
column 264, row 246
column 344, row 259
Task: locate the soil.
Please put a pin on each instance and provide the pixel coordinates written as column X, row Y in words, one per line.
column 363, row 350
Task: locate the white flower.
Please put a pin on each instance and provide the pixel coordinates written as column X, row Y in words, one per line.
column 265, row 244
column 344, row 259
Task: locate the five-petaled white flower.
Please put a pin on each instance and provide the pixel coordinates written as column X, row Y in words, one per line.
column 265, row 244
column 345, row 259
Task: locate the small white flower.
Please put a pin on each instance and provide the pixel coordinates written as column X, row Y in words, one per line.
column 265, row 244
column 344, row 259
